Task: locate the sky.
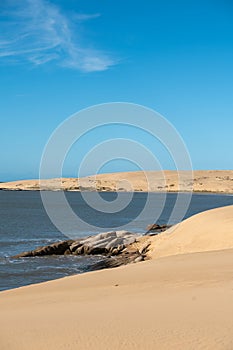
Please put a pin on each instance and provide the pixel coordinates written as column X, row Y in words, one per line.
column 58, row 57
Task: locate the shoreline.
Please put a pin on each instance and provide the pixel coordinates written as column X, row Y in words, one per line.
column 144, row 192
column 156, row 192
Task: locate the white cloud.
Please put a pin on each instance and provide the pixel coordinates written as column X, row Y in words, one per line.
column 36, row 31
column 85, row 17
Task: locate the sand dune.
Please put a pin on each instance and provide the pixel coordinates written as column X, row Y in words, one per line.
column 220, row 181
column 206, row 231
column 182, row 301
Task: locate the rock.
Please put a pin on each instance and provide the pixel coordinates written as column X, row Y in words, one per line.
column 116, row 246
column 102, row 243
column 82, row 250
column 117, row 250
column 123, row 233
column 67, row 252
column 138, row 259
column 157, row 228
column 112, row 242
column 95, row 250
column 75, row 245
column 144, row 249
column 116, row 261
column 58, row 248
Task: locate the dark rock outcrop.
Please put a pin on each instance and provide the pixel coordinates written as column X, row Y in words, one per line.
column 117, row 248
column 156, row 228
column 58, row 248
column 116, row 261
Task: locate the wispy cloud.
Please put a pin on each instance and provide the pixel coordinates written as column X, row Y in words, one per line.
column 38, row 32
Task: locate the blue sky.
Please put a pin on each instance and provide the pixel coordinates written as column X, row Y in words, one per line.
column 57, row 57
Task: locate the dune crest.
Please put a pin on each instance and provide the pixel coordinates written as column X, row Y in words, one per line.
column 206, row 231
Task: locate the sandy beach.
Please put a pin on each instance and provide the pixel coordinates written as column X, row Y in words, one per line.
column 180, row 299
column 216, row 181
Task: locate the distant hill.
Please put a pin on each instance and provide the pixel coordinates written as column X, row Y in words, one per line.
column 217, row 181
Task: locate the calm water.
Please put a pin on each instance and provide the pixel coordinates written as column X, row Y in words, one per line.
column 25, row 225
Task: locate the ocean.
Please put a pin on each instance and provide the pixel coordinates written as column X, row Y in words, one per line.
column 25, row 225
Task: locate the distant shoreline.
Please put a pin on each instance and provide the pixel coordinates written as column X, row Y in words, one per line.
column 200, row 181
column 155, row 192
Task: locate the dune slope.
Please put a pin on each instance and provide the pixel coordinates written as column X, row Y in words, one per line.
column 206, row 231
column 182, row 301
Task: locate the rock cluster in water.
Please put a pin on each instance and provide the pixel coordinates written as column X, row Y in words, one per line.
column 117, row 248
